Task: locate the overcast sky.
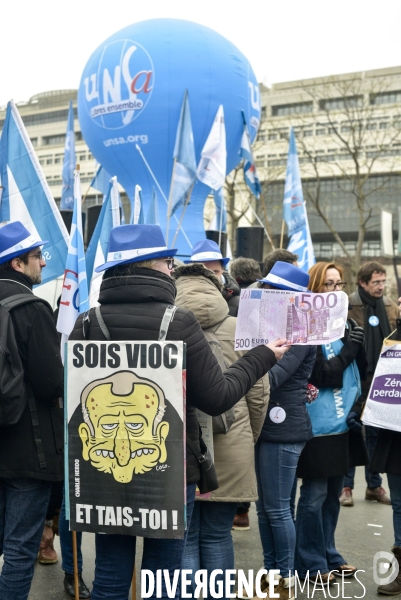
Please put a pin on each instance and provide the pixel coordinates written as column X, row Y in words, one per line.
column 45, row 44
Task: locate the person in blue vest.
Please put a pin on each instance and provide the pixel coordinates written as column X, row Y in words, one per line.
column 286, row 429
column 337, row 443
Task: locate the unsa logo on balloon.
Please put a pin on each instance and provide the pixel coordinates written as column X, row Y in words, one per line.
column 121, row 86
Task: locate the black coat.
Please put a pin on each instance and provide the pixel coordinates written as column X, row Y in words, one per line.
column 133, row 307
column 288, row 383
column 39, row 348
column 333, row 455
column 386, row 456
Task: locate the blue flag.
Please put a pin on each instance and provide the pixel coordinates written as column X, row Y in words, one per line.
column 67, row 190
column 137, row 217
column 152, row 217
column 220, row 218
column 26, row 195
column 294, row 211
column 184, row 173
column 96, row 253
column 101, row 183
column 74, row 295
column 250, row 173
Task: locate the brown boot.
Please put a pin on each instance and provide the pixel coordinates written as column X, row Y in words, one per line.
column 47, row 554
column 377, row 494
column 394, row 587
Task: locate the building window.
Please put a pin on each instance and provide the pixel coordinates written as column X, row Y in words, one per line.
column 320, row 132
column 263, row 112
column 384, row 125
column 272, row 136
column 48, row 117
column 371, row 126
column 386, row 97
column 53, row 140
column 341, row 103
column 345, row 128
column 292, row 109
column 82, row 157
column 34, row 142
column 78, row 136
column 261, row 137
column 308, row 132
column 49, row 161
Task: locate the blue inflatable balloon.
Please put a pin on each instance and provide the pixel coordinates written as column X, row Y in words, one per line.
column 129, row 103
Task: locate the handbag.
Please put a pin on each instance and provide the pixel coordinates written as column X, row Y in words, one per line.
column 208, row 477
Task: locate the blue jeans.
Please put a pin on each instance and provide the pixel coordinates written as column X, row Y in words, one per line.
column 373, row 479
column 317, row 516
column 23, row 506
column 394, row 482
column 66, row 543
column 115, row 559
column 209, row 544
column 276, row 466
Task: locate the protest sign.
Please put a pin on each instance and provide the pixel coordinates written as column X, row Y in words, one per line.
column 126, row 443
column 383, row 405
column 301, row 318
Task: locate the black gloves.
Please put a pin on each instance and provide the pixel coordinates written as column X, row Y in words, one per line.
column 357, row 335
column 353, row 421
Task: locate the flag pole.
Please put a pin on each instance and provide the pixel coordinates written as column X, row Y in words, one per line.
column 169, row 200
column 133, row 584
column 282, row 233
column 75, row 562
column 221, row 221
column 267, row 221
column 160, row 189
column 182, row 216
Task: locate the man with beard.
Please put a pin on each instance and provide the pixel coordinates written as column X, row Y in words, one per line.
column 377, row 315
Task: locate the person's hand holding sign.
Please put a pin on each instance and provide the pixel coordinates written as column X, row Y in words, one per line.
column 279, row 347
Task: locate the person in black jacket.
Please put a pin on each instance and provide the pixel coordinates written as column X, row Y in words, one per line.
column 386, row 459
column 136, row 290
column 286, row 429
column 326, row 458
column 31, row 456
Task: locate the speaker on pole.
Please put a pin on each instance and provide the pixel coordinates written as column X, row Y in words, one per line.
column 93, row 215
column 250, row 242
column 214, row 236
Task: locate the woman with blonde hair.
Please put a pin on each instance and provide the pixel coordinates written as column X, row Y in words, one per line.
column 337, row 443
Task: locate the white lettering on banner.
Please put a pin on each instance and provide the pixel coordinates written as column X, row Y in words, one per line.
column 123, row 515
column 339, row 403
column 254, row 95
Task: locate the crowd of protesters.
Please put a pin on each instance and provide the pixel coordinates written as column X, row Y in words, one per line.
column 278, row 397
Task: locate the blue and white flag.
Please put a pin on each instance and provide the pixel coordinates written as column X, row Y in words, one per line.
column 213, row 163
column 250, row 173
column 67, row 190
column 96, row 253
column 152, row 217
column 26, row 195
column 137, row 216
column 184, row 173
column 219, row 221
column 74, row 295
column 294, row 211
column 101, row 183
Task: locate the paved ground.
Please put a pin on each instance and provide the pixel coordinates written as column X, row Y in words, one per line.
column 356, row 539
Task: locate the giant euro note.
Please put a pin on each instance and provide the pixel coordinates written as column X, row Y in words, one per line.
column 299, row 317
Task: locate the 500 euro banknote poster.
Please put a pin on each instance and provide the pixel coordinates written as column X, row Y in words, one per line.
column 299, row 317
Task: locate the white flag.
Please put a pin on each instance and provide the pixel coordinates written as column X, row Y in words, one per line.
column 212, row 167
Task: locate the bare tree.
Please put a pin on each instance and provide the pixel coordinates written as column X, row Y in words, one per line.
column 363, row 137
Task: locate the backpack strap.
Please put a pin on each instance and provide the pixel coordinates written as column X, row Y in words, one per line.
column 102, row 324
column 166, row 320
column 9, row 304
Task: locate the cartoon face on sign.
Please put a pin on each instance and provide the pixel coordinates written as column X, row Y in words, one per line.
column 123, row 433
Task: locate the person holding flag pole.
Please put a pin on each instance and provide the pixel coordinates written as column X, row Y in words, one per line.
column 74, row 301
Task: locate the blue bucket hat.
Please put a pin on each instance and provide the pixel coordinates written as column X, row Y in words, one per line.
column 286, row 276
column 206, row 250
column 134, row 243
column 15, row 240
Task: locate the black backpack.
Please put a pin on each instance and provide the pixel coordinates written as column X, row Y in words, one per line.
column 14, row 392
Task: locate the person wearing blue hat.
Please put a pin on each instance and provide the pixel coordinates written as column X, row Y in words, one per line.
column 135, row 292
column 286, row 429
column 208, row 253
column 31, row 451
